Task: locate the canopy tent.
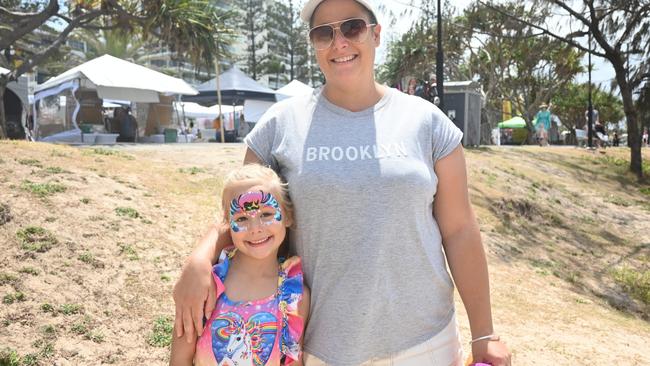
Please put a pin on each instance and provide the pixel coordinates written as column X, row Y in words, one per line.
column 236, row 87
column 114, row 78
column 515, row 122
column 194, row 110
column 75, row 96
column 294, row 88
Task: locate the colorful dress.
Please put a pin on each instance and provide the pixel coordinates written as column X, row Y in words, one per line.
column 254, row 333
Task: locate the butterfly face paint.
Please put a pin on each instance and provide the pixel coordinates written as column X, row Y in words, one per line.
column 251, row 207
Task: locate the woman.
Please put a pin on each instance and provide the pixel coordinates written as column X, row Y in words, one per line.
column 364, row 163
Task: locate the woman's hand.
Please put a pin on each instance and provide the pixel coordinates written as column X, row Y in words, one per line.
column 195, row 297
column 491, row 352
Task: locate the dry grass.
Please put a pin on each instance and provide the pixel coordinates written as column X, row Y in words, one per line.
column 87, row 270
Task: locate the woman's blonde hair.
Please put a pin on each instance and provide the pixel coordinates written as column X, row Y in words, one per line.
column 267, row 177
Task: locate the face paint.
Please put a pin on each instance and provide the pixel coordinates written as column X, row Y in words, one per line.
column 253, row 206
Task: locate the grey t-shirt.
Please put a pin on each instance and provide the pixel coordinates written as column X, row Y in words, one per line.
column 363, row 186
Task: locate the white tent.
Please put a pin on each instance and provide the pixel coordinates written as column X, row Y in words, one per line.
column 114, row 78
column 111, row 78
column 195, row 110
column 294, row 88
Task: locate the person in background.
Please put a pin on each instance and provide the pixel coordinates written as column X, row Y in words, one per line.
column 543, row 124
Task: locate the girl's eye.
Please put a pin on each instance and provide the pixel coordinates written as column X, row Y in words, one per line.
column 267, row 215
column 241, row 219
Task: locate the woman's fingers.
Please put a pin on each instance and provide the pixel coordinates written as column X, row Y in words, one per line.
column 178, row 322
column 211, row 302
column 188, row 325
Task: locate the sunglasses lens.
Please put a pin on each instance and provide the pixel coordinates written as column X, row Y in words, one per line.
column 321, row 37
column 354, row 29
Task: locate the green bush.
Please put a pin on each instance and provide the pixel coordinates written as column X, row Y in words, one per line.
column 30, row 162
column 36, row 239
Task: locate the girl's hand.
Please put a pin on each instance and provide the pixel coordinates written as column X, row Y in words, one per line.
column 494, row 353
column 195, row 297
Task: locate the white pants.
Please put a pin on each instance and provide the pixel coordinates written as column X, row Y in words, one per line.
column 444, row 349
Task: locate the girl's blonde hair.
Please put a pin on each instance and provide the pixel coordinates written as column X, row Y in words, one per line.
column 265, row 176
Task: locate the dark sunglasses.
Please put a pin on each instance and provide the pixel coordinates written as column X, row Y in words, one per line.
column 354, row 30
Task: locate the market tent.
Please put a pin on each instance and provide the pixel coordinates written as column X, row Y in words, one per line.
column 194, row 110
column 515, row 122
column 114, row 78
column 294, row 88
column 75, row 96
column 236, row 87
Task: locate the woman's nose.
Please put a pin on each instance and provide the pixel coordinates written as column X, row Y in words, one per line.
column 339, row 39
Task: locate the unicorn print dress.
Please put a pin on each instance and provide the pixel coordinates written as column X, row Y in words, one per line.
column 254, row 333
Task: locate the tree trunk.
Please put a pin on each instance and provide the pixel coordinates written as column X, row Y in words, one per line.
column 3, row 119
column 631, row 115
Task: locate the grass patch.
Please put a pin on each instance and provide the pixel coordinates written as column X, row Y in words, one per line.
column 47, row 308
column 42, row 189
column 36, row 239
column 192, row 171
column 13, row 297
column 86, row 257
column 9, row 357
column 618, row 201
column 5, row 214
column 70, row 309
column 30, row 162
column 129, row 251
column 127, row 212
column 56, row 170
column 162, row 332
column 8, row 279
column 85, row 201
column 645, row 190
column 29, row 270
column 634, row 282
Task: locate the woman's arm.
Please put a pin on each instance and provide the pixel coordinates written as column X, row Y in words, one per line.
column 194, row 292
column 461, row 239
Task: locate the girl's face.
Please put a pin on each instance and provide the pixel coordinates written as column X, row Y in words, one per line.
column 257, row 223
column 346, row 62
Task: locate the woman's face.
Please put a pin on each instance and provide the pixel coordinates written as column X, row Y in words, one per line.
column 345, row 62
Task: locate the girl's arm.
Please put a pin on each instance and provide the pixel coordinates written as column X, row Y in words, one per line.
column 182, row 352
column 194, row 292
column 461, row 239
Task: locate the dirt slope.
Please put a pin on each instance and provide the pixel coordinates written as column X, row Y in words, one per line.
column 92, row 240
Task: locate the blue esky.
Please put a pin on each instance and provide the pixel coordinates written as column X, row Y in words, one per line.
column 603, row 72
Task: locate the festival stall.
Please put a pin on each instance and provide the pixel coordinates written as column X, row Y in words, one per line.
column 70, row 107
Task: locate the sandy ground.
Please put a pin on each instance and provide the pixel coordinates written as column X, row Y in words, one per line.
column 555, row 221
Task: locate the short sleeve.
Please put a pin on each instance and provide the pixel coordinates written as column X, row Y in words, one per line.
column 445, row 136
column 261, row 139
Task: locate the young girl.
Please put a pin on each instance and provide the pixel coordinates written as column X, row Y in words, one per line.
column 262, row 304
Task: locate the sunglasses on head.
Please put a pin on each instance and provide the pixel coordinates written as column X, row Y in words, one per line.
column 354, row 30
